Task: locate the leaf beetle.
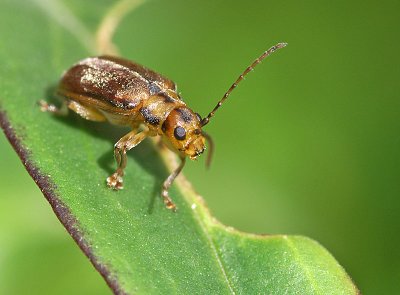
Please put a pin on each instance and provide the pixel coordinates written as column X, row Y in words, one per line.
column 113, row 89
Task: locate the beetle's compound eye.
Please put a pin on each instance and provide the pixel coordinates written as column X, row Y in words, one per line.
column 198, row 117
column 180, row 133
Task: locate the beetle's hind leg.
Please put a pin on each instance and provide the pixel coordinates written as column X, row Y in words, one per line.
column 51, row 108
column 127, row 142
column 85, row 112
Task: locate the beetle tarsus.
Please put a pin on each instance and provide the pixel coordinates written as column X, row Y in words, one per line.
column 115, row 181
column 51, row 108
column 168, row 201
column 44, row 106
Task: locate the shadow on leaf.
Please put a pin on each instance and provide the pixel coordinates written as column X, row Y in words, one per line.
column 145, row 154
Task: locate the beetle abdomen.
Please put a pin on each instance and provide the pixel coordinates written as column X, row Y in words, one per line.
column 106, row 81
column 146, row 73
column 121, row 90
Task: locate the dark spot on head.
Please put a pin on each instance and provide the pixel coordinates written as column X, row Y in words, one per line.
column 164, row 127
column 185, row 115
column 149, row 117
column 180, row 133
column 154, row 89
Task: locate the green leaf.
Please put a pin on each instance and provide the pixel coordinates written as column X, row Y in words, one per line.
column 130, row 237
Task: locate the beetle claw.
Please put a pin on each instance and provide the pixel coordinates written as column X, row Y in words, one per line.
column 115, row 181
column 169, row 205
column 167, row 201
column 44, row 106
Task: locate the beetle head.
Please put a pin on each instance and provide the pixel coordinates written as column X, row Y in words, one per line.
column 182, row 132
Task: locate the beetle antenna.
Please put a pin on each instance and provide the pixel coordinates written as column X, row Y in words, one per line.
column 240, row 78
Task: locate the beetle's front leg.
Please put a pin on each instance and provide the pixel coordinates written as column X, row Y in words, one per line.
column 129, row 141
column 167, row 184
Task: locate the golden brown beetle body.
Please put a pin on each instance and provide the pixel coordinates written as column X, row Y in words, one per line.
column 113, row 89
column 125, row 93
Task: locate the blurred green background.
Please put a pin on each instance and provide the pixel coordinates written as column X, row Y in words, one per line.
column 308, row 144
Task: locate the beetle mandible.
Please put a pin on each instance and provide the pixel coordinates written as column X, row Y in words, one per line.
column 108, row 88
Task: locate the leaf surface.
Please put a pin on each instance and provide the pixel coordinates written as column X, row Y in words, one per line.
column 134, row 242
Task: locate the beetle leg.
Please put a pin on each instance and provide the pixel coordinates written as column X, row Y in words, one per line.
column 51, row 108
column 86, row 112
column 127, row 142
column 167, row 184
column 83, row 111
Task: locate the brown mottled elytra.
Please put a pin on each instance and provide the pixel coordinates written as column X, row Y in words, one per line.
column 108, row 88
